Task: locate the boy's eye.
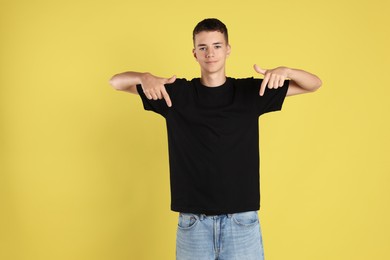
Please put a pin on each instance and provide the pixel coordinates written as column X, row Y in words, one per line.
column 202, row 48
column 218, row 46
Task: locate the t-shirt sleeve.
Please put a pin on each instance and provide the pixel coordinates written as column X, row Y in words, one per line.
column 272, row 100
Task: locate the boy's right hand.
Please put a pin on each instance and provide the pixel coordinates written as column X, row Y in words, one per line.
column 154, row 88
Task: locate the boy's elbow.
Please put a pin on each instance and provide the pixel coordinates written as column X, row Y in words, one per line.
column 114, row 83
column 318, row 84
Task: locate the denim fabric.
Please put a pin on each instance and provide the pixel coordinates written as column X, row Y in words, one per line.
column 221, row 237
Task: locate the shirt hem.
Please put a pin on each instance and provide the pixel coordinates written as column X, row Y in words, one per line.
column 214, row 211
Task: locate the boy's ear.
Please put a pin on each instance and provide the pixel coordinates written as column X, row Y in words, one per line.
column 194, row 53
column 229, row 49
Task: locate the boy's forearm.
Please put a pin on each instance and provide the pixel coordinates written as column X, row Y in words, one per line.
column 304, row 79
column 127, row 81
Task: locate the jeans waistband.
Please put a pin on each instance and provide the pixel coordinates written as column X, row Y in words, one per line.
column 203, row 216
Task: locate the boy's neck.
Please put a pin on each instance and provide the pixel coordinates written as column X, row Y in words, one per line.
column 213, row 80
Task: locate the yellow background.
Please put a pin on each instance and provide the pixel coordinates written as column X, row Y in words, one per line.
column 84, row 170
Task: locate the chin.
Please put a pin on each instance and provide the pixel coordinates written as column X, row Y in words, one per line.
column 211, row 70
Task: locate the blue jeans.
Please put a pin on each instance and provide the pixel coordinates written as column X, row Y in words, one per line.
column 222, row 237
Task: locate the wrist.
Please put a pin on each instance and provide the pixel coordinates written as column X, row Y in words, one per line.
column 289, row 72
column 143, row 77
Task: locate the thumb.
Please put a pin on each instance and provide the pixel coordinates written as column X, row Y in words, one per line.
column 171, row 79
column 259, row 70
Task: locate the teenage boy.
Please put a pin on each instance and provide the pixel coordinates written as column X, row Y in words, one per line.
column 213, row 139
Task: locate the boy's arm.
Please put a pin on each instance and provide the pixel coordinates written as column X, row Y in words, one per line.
column 300, row 81
column 152, row 86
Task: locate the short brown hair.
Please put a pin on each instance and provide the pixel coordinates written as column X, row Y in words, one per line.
column 211, row 25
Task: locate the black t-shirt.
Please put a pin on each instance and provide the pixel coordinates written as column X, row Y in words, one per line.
column 213, row 140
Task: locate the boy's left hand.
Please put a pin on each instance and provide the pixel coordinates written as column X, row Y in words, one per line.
column 273, row 78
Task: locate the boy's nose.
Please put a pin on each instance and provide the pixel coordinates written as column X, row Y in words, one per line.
column 209, row 54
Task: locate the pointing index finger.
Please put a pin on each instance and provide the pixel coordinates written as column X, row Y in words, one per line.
column 166, row 97
column 264, row 84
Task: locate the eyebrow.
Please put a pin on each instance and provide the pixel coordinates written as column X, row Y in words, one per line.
column 202, row 44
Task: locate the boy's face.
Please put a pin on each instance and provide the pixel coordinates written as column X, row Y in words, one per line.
column 211, row 51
